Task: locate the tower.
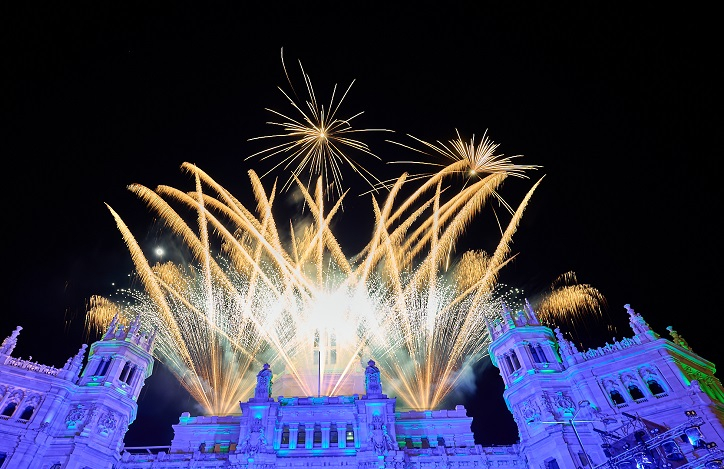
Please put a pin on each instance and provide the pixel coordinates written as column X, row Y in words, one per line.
column 73, row 417
column 627, row 403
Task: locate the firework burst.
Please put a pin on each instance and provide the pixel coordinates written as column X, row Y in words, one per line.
column 317, row 141
column 305, row 306
column 255, row 291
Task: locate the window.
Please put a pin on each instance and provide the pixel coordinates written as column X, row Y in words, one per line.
column 616, row 397
column 349, row 433
column 125, row 371
column 508, row 363
column 301, row 436
column 285, row 435
column 534, row 353
column 584, row 460
column 27, row 413
column 317, row 435
column 654, row 387
column 10, row 409
column 333, row 436
column 99, row 368
column 635, row 392
column 514, row 357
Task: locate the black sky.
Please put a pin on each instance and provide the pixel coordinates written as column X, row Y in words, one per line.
column 620, row 105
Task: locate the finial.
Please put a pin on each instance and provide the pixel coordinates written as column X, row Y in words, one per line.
column 507, row 316
column 134, row 326
column 10, row 342
column 677, row 339
column 110, row 332
column 532, row 316
column 639, row 325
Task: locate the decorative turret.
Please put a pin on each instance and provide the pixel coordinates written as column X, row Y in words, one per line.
column 121, row 359
column 521, row 345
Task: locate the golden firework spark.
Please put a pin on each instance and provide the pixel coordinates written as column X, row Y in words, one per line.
column 258, row 291
column 316, row 141
column 247, row 298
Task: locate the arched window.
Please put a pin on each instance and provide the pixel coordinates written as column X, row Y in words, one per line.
column 99, row 368
column 514, row 357
column 106, row 364
column 541, row 355
column 654, row 387
column 27, row 413
column 534, row 353
column 124, row 372
column 131, row 373
column 508, row 363
column 10, row 409
column 616, row 396
column 635, row 392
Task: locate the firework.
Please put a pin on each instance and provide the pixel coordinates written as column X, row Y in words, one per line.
column 305, row 306
column 255, row 291
column 317, row 140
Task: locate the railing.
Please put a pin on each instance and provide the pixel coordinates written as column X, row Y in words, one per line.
column 32, row 366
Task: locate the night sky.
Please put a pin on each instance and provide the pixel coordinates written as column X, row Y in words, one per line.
column 619, row 105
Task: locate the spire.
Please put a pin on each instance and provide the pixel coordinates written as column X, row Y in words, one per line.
column 491, row 331
column 532, row 317
column 71, row 369
column 10, row 342
column 507, row 317
column 639, row 325
column 151, row 341
column 134, row 327
column 110, row 332
column 677, row 339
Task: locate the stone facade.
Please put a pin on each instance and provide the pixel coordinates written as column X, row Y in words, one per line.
column 641, row 402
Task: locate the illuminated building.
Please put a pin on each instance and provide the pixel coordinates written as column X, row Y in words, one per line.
column 642, row 402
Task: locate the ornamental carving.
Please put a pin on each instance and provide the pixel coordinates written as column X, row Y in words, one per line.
column 530, row 411
column 76, row 415
column 564, row 404
column 255, row 439
column 107, row 423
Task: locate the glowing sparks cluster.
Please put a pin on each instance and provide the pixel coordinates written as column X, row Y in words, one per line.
column 316, row 140
column 248, row 298
column 256, row 291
